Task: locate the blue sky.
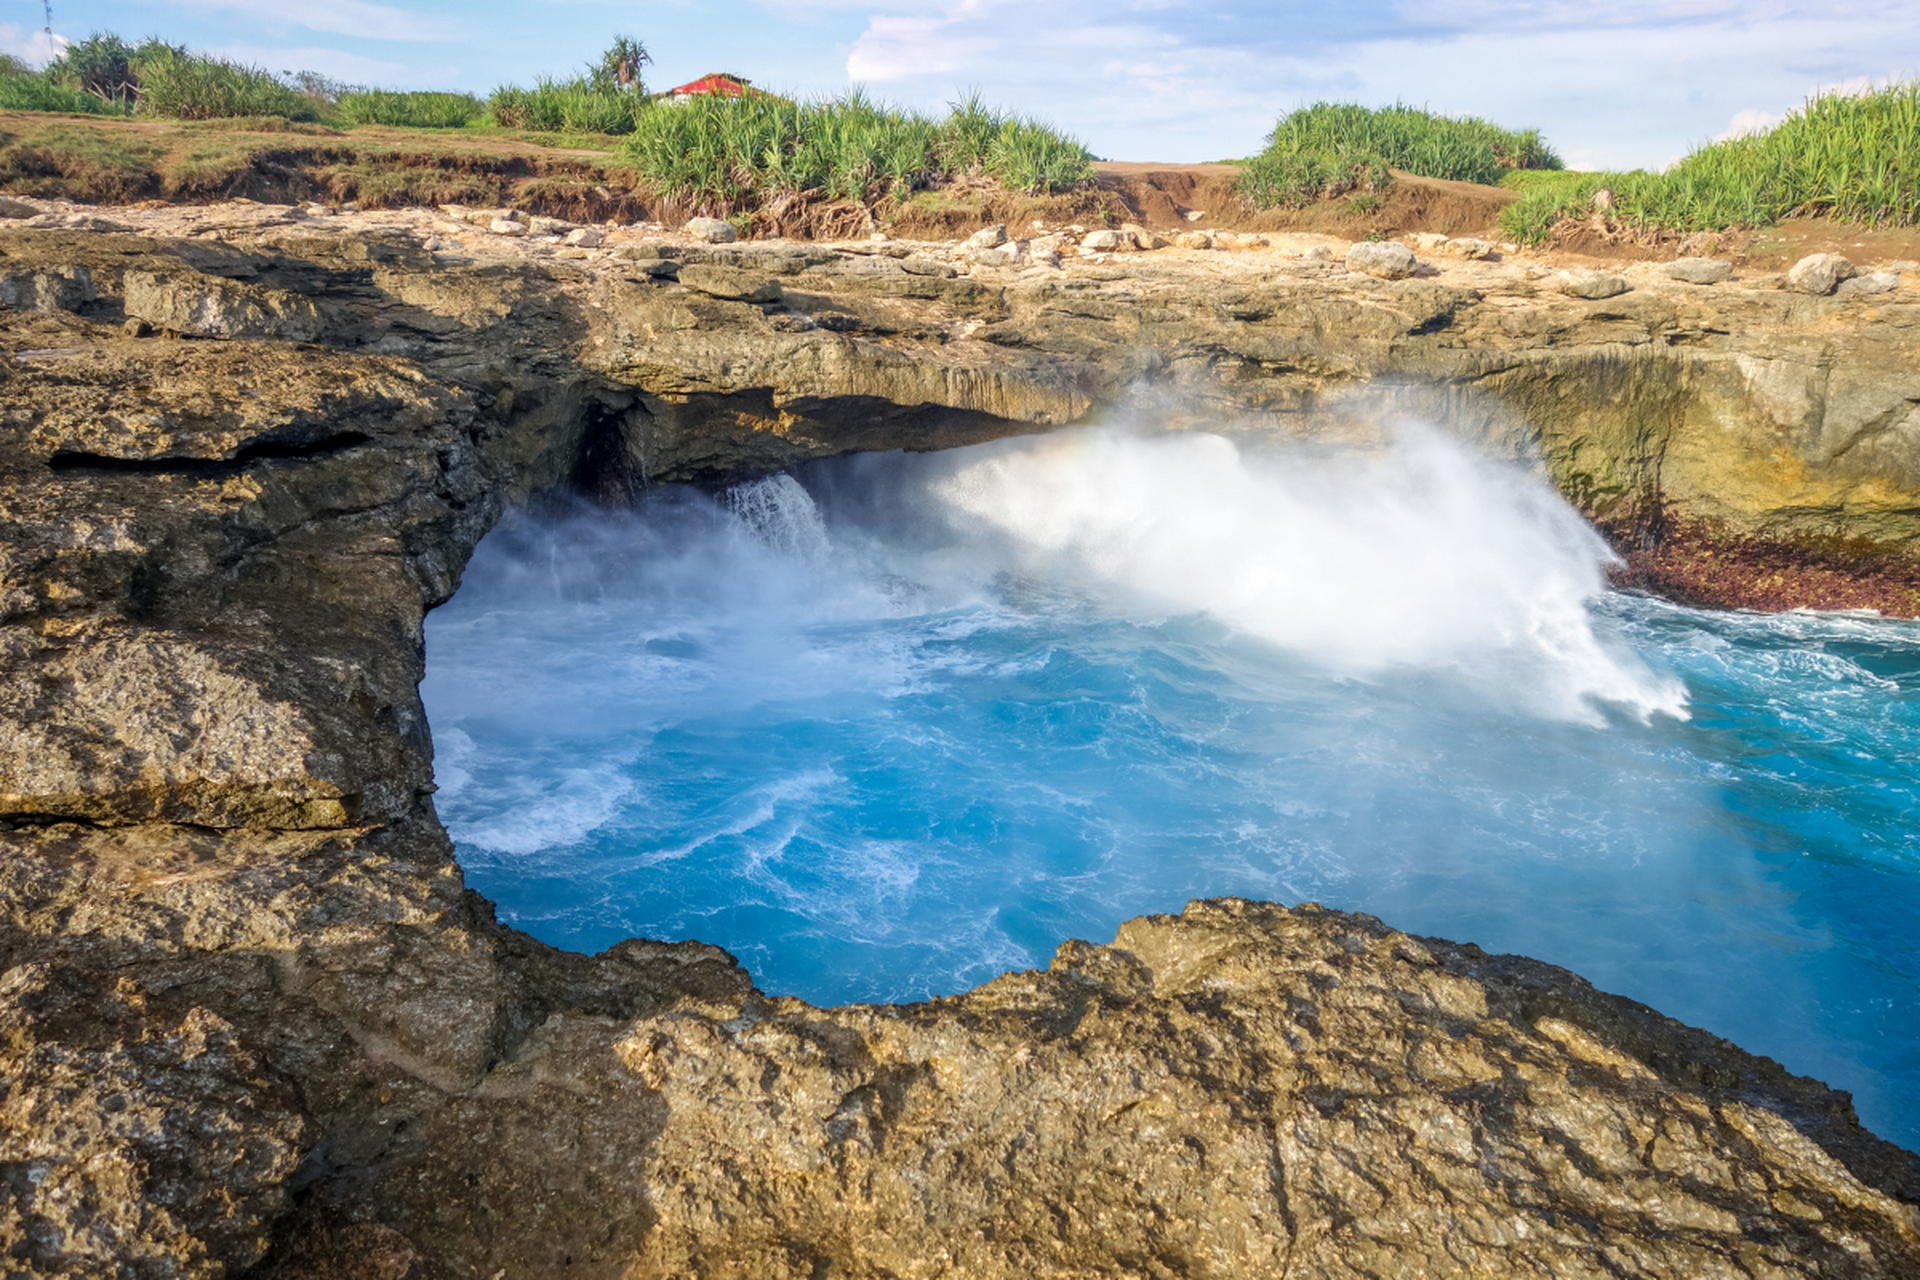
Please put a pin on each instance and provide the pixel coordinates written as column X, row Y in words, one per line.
column 1619, row 84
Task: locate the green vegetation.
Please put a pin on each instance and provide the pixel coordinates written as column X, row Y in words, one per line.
column 755, row 149
column 579, row 105
column 182, row 86
column 1332, row 149
column 1854, row 158
column 415, row 110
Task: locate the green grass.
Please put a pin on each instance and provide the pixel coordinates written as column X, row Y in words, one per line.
column 1331, row 149
column 179, row 86
column 74, row 161
column 34, row 93
column 415, row 110
column 751, row 151
column 1853, row 158
column 579, row 105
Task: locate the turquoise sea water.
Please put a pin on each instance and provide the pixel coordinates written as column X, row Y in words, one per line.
column 896, row 724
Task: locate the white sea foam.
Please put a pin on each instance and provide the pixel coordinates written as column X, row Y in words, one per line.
column 1419, row 555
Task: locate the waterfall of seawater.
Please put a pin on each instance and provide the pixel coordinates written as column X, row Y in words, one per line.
column 899, row 723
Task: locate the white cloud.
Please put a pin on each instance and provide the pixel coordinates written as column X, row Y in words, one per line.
column 339, row 17
column 1749, row 122
column 335, row 64
column 30, row 43
column 897, row 48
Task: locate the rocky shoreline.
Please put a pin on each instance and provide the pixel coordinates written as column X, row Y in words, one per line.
column 256, row 1024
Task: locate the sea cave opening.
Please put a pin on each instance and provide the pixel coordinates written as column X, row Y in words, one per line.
column 888, row 725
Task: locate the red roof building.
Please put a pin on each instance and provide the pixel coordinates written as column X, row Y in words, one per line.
column 715, row 84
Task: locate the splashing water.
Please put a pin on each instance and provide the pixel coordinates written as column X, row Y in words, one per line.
column 902, row 722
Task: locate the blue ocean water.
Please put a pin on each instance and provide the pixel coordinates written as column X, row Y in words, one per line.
column 891, row 726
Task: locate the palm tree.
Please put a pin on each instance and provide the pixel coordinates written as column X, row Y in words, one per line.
column 619, row 67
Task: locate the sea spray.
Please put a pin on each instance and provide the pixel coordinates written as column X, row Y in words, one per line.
column 898, row 723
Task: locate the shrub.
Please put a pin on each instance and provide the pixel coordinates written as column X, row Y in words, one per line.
column 759, row 147
column 418, row 110
column 579, row 105
column 183, row 86
column 1330, row 149
column 1855, row 158
column 33, row 93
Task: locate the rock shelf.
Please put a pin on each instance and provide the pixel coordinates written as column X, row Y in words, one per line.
column 256, row 1025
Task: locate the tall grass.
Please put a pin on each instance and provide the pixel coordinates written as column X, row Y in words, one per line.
column 754, row 149
column 414, row 110
column 35, row 93
column 1854, row 158
column 1328, row 149
column 579, row 105
column 181, row 86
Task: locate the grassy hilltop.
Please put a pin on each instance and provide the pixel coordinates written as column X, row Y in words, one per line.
column 110, row 121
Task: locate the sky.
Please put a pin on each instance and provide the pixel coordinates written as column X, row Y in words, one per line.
column 1621, row 84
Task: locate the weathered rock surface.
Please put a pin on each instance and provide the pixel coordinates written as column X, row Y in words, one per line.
column 1699, row 270
column 1819, row 273
column 1384, row 258
column 249, row 1006
column 1593, row 285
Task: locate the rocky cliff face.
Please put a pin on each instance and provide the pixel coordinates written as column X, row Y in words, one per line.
column 254, row 1024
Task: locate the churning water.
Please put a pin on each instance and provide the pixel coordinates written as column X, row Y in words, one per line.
column 905, row 722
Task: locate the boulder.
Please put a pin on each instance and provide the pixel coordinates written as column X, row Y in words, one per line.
column 203, row 306
column 731, row 283
column 1143, row 237
column 1045, row 256
column 549, row 226
column 507, row 227
column 988, row 237
column 712, row 230
column 1699, row 270
column 1007, row 255
column 1876, row 282
column 64, row 288
column 1193, row 240
column 17, row 209
column 1105, row 241
column 1578, row 282
column 1466, row 247
column 1819, row 273
column 1318, row 253
column 586, row 237
column 1386, row 259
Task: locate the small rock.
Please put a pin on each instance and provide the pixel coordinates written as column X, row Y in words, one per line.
column 712, row 230
column 1193, row 240
column 879, row 237
column 1007, row 255
column 1045, row 256
column 430, row 244
column 350, row 207
column 1580, row 283
column 573, row 253
column 1104, row 241
column 319, row 211
column 135, row 327
column 1143, row 237
column 1318, row 253
column 1194, row 215
column 549, row 226
column 1699, row 270
column 988, row 237
column 586, row 237
column 1428, row 240
column 507, row 227
column 17, row 209
column 1466, row 247
column 918, row 265
column 66, row 288
column 1877, row 282
column 730, row 283
column 1819, row 273
column 1387, row 259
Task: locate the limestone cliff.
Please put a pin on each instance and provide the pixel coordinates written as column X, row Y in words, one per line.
column 254, row 1023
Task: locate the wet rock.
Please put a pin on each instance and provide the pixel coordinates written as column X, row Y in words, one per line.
column 1819, row 273
column 1699, row 270
column 1384, row 258
column 1578, row 282
column 712, row 230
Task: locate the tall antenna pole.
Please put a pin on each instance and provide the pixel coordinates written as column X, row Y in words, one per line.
column 48, row 4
